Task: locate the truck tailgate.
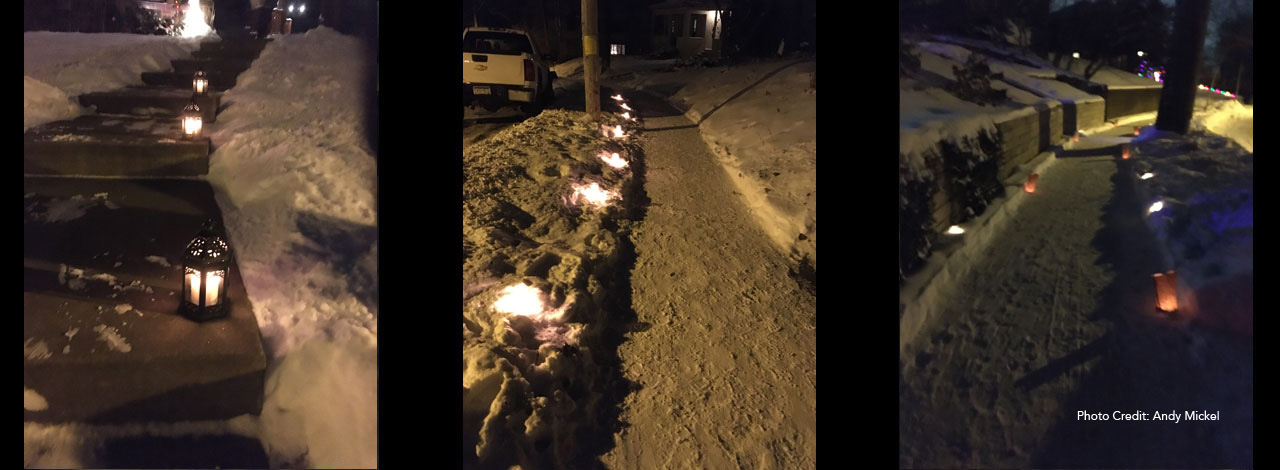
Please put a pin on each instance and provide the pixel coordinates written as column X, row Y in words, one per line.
column 493, row 68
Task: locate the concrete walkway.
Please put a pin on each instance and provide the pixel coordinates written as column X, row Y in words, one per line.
column 727, row 364
column 1060, row 317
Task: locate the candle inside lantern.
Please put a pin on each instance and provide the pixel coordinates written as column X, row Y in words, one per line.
column 1124, row 151
column 1136, row 130
column 1166, row 291
column 191, row 126
column 200, row 82
column 1030, row 185
column 1076, row 137
column 210, row 290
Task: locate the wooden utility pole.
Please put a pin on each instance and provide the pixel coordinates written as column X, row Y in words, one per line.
column 591, row 58
column 1178, row 96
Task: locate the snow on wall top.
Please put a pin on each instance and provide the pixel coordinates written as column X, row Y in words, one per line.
column 1111, row 76
column 1039, row 80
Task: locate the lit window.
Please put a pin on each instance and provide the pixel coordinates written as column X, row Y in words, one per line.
column 697, row 25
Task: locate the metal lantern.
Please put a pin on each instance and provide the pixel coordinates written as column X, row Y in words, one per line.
column 200, row 83
column 205, row 264
column 192, row 121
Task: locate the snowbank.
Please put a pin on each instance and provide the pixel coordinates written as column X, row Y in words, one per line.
column 1228, row 118
column 1204, row 184
column 58, row 67
column 296, row 181
column 539, row 273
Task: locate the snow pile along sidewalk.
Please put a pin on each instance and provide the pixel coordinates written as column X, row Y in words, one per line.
column 1199, row 190
column 297, row 183
column 58, row 67
column 1227, row 118
column 547, row 209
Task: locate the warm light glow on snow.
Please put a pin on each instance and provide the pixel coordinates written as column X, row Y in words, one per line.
column 613, row 160
column 193, row 24
column 617, row 97
column 1075, row 55
column 1156, row 207
column 624, row 106
column 1147, row 175
column 593, row 194
column 617, row 132
column 520, row 300
column 626, row 115
column 955, row 230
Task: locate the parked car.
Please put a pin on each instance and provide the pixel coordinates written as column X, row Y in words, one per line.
column 502, row 67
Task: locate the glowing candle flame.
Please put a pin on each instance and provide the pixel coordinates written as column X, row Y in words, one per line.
column 520, row 300
column 1156, row 207
column 193, row 24
column 613, row 160
column 955, row 230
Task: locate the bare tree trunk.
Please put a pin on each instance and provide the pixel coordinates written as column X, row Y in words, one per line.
column 1191, row 20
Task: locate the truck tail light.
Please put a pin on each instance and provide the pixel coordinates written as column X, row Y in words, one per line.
column 528, row 70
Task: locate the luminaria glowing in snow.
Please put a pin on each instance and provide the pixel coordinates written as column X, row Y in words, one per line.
column 520, row 299
column 955, row 230
column 613, row 160
column 1156, row 207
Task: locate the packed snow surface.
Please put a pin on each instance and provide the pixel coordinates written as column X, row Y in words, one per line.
column 760, row 120
column 296, row 181
column 58, row 67
column 1227, row 118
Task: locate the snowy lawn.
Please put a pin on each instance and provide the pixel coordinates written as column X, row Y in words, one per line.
column 58, row 67
column 296, row 180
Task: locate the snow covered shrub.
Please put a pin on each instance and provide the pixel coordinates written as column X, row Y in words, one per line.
column 908, row 61
column 916, row 189
column 973, row 82
column 971, row 172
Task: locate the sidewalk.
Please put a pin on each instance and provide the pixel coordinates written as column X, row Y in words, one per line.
column 1060, row 317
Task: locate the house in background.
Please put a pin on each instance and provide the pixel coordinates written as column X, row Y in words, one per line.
column 687, row 27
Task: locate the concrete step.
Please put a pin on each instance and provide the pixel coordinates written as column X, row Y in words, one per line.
column 113, row 145
column 93, row 358
column 210, row 65
column 151, row 101
column 218, row 80
column 235, row 47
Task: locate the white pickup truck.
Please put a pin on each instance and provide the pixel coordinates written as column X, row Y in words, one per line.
column 501, row 67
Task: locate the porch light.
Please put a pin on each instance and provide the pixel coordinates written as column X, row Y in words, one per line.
column 205, row 266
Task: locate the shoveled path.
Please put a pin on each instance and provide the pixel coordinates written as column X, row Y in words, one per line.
column 726, row 355
column 1058, row 318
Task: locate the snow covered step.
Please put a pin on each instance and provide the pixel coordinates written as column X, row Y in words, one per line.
column 218, row 80
column 231, row 48
column 209, row 65
column 102, row 340
column 151, row 101
column 113, row 145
